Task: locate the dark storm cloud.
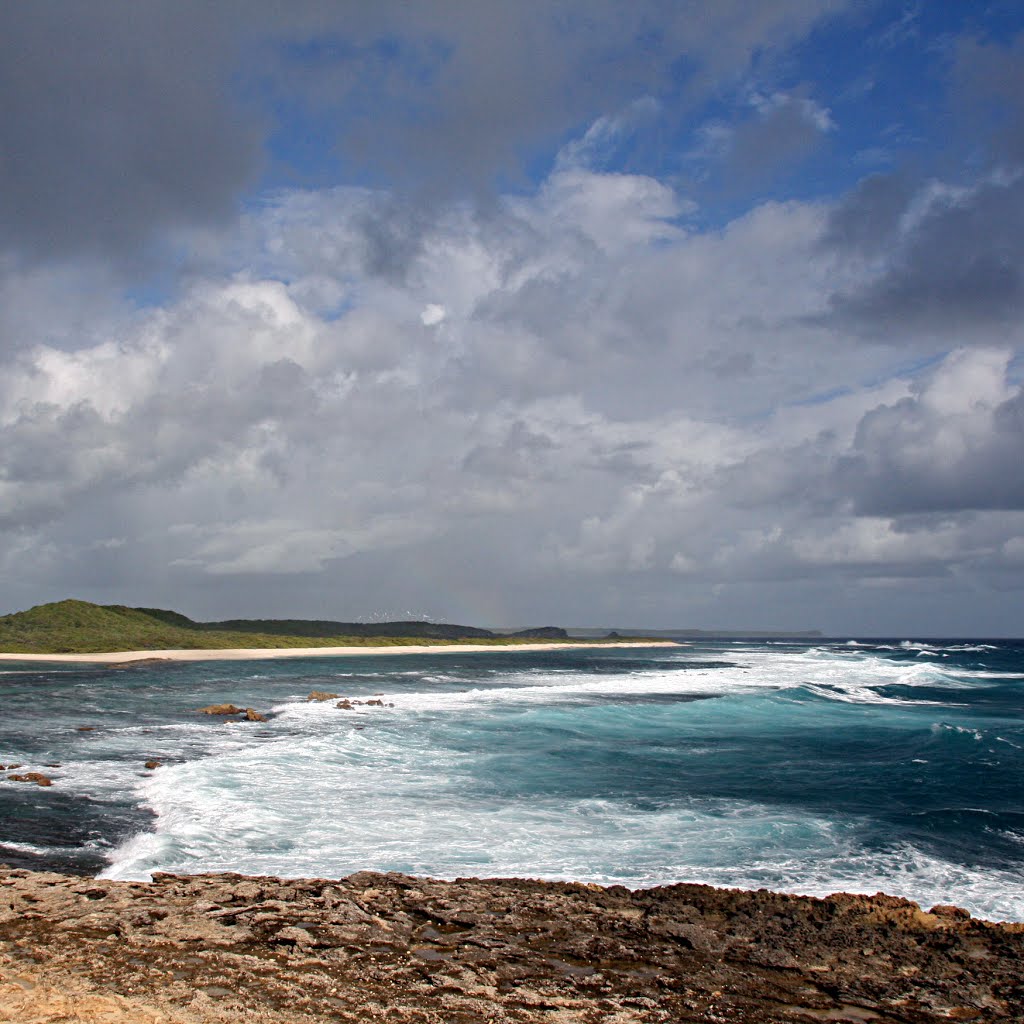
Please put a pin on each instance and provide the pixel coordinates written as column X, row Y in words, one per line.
column 952, row 446
column 910, row 458
column 786, row 129
column 990, row 78
column 114, row 123
column 122, row 119
column 959, row 264
column 868, row 218
column 446, row 94
column 953, row 257
column 391, row 231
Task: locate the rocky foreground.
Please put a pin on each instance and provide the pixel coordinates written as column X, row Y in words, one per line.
column 371, row 947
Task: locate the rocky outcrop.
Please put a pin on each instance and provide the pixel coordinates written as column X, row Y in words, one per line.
column 321, row 695
column 247, row 714
column 347, row 704
column 371, row 947
column 37, row 777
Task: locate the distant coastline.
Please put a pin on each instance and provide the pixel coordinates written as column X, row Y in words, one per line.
column 72, row 630
column 704, row 634
column 262, row 653
column 68, row 630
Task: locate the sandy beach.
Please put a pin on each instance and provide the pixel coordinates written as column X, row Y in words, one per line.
column 261, row 653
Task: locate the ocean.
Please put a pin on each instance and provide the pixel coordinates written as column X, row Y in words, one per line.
column 800, row 767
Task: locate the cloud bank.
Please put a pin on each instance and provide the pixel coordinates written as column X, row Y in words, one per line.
column 577, row 398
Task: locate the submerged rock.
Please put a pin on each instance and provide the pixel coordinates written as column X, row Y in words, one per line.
column 321, row 695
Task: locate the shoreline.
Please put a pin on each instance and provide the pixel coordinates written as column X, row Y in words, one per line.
column 267, row 653
column 369, row 947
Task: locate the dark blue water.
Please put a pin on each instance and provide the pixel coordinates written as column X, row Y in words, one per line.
column 885, row 765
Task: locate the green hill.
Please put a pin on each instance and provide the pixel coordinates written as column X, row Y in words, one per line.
column 320, row 627
column 79, row 627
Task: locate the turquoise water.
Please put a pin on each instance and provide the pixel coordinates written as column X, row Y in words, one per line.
column 863, row 767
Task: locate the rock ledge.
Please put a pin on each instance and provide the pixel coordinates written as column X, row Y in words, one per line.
column 372, row 947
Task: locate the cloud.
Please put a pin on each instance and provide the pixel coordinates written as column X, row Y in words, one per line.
column 989, row 77
column 116, row 123
column 785, row 129
column 617, row 413
column 454, row 93
column 953, row 444
column 945, row 257
column 248, row 397
column 945, row 260
column 123, row 125
column 868, row 220
column 432, row 314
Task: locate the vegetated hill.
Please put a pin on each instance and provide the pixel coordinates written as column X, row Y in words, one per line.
column 414, row 628
column 73, row 626
column 322, row 627
column 542, row 633
column 80, row 627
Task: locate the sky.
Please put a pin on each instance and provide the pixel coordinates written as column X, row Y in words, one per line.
column 667, row 314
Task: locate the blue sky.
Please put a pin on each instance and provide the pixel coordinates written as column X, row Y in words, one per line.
column 664, row 314
column 880, row 75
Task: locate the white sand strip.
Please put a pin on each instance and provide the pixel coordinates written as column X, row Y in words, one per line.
column 261, row 653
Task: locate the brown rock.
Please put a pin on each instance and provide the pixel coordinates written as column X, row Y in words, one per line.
column 220, row 709
column 373, row 948
column 86, row 728
column 37, row 777
column 321, row 695
column 949, row 912
column 345, row 705
column 252, row 715
column 153, row 764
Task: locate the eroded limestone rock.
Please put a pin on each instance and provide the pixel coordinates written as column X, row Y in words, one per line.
column 372, row 947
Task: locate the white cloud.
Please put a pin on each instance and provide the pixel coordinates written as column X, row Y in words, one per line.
column 612, row 398
column 432, row 315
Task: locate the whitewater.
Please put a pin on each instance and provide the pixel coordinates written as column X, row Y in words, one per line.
column 849, row 765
